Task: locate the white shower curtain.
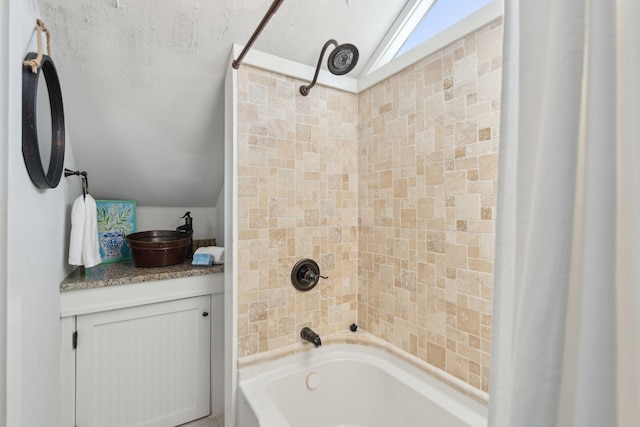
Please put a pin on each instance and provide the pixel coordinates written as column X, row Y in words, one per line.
column 566, row 327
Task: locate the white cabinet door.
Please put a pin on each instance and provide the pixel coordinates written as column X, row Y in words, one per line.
column 144, row 366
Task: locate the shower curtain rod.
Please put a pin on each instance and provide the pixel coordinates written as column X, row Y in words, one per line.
column 272, row 10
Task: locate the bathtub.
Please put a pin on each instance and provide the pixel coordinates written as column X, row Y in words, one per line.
column 350, row 385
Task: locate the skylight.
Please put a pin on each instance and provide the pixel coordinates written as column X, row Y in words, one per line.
column 423, row 27
column 440, row 16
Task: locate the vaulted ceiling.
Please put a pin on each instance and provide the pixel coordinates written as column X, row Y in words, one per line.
column 142, row 81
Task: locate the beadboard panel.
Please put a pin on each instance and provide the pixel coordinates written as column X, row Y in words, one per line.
column 144, row 366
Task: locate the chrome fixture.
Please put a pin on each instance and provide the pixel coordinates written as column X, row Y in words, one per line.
column 341, row 60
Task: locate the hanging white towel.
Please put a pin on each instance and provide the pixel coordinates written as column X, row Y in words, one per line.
column 90, row 244
column 216, row 251
column 84, row 248
column 77, row 232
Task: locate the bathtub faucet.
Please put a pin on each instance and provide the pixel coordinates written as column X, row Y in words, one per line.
column 308, row 335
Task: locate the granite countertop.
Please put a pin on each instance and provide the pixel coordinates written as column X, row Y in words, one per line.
column 124, row 272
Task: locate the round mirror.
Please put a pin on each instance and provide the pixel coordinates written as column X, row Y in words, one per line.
column 42, row 123
column 43, row 119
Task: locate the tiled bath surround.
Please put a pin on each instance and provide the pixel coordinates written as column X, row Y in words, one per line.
column 427, row 190
column 392, row 191
column 298, row 198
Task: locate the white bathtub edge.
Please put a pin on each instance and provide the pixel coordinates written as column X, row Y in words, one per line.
column 248, row 364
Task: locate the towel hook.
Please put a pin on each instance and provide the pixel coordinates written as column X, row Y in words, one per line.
column 85, row 180
column 85, row 184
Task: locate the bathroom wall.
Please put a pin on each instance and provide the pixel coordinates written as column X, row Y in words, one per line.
column 5, row 136
column 36, row 231
column 297, row 198
column 163, row 218
column 218, row 219
column 428, row 140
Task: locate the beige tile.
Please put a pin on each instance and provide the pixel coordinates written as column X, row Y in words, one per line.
column 465, row 69
column 457, row 366
column 489, row 85
column 489, row 167
column 435, row 173
column 456, row 256
column 436, row 355
column 490, row 44
column 433, row 72
column 468, row 320
column 468, row 206
column 484, row 134
column 456, row 182
column 466, row 132
column 392, row 191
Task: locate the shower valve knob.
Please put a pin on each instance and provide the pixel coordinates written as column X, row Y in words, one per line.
column 306, row 274
column 310, row 276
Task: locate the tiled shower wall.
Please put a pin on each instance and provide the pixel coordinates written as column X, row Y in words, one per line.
column 428, row 162
column 298, row 198
column 392, row 192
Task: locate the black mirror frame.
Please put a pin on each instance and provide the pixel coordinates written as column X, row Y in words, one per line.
column 30, row 144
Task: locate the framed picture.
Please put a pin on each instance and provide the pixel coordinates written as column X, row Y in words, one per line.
column 116, row 219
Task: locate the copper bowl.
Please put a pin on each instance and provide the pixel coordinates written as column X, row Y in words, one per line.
column 158, row 248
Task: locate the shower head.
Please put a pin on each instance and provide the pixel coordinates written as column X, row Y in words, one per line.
column 341, row 60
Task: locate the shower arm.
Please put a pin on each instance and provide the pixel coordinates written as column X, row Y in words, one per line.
column 304, row 90
column 272, row 10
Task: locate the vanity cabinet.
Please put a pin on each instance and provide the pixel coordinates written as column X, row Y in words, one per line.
column 142, row 355
column 144, row 366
